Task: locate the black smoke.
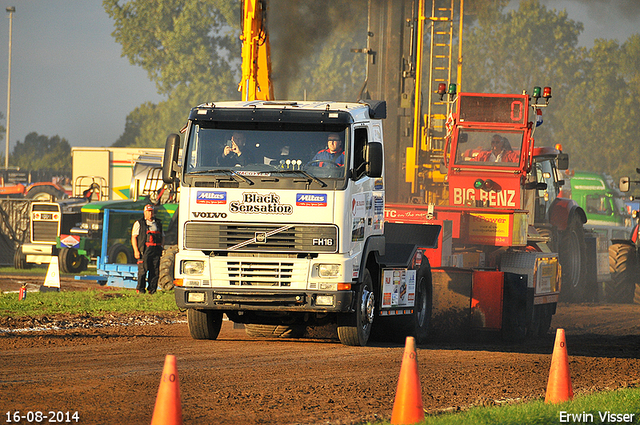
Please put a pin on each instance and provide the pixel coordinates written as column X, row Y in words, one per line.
column 297, row 29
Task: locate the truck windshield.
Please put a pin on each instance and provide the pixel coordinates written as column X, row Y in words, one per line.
column 282, row 153
column 489, row 147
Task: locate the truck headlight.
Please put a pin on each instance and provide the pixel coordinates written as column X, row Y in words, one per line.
column 195, row 297
column 326, row 300
column 193, row 268
column 329, row 270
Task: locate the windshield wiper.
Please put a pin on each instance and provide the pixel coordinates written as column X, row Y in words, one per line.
column 310, row 177
column 225, row 171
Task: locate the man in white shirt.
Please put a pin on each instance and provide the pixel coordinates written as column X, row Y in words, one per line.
column 146, row 240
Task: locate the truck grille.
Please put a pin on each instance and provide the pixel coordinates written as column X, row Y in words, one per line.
column 44, row 231
column 45, row 207
column 45, row 222
column 92, row 219
column 249, row 237
column 261, row 272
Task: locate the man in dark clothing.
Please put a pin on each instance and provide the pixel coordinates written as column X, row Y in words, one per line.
column 146, row 240
column 236, row 153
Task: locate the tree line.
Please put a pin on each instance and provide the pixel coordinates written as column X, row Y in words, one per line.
column 191, row 51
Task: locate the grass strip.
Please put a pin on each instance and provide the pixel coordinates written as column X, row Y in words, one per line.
column 612, row 407
column 38, row 270
column 94, row 302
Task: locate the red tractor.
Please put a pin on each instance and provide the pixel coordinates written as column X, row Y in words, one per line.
column 495, row 182
column 624, row 260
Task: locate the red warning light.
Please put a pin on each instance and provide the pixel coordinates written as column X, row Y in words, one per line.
column 546, row 92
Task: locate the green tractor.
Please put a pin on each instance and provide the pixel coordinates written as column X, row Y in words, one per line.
column 83, row 244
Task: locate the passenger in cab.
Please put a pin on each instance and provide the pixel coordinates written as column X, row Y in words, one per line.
column 236, row 152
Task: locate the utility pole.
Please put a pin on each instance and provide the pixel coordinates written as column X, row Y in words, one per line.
column 11, row 10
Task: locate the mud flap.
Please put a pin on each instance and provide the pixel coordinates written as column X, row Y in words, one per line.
column 518, row 307
column 486, row 305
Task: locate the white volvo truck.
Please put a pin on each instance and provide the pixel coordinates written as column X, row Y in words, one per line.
column 281, row 240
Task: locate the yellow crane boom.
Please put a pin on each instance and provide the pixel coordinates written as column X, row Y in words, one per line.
column 256, row 60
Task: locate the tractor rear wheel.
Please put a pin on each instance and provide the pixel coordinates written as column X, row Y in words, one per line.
column 45, row 193
column 167, row 268
column 572, row 252
column 623, row 266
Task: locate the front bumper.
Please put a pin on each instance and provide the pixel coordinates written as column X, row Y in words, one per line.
column 263, row 300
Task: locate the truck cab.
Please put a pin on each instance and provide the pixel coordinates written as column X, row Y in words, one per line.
column 274, row 228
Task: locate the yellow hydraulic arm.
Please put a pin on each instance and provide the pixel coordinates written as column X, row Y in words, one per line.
column 424, row 158
column 256, row 61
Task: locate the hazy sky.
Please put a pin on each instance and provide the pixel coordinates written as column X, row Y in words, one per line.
column 68, row 78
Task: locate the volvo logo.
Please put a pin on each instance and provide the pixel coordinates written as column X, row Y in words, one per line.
column 261, row 237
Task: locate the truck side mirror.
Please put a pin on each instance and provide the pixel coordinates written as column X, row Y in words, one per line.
column 535, row 185
column 562, row 161
column 170, row 159
column 624, row 184
column 374, row 160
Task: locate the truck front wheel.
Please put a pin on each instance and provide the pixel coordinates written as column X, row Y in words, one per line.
column 355, row 328
column 204, row 324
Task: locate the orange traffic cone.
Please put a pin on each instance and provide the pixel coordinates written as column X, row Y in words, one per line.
column 168, row 410
column 559, row 388
column 407, row 407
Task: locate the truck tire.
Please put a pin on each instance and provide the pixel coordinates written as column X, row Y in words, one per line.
column 419, row 322
column 71, row 261
column 541, row 321
column 45, row 193
column 120, row 254
column 167, row 268
column 623, row 266
column 355, row 328
column 572, row 253
column 417, row 325
column 274, row 331
column 204, row 324
column 546, row 315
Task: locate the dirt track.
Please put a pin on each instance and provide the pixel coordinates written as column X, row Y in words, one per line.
column 110, row 374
